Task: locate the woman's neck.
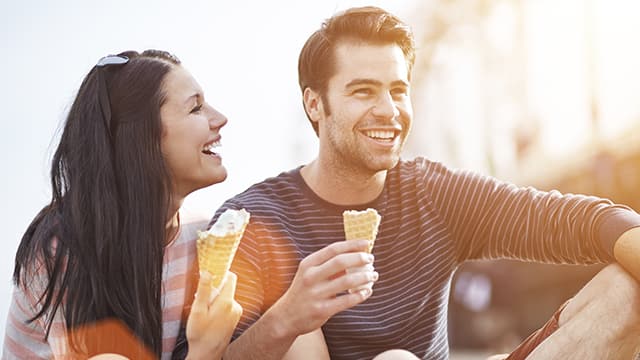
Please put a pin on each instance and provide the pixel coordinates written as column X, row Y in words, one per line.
column 173, row 224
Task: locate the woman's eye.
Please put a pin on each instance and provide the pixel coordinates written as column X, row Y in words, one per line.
column 196, row 109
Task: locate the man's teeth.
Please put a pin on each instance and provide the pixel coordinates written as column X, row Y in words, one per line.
column 380, row 134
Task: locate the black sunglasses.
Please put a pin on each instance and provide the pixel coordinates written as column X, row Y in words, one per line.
column 103, row 92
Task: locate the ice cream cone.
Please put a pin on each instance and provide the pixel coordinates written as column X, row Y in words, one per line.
column 218, row 245
column 359, row 225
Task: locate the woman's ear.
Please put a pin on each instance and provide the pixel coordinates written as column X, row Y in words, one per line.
column 313, row 104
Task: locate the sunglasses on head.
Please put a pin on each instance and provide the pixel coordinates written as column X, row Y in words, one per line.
column 112, row 60
column 103, row 91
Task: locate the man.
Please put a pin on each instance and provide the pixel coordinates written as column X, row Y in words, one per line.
column 355, row 77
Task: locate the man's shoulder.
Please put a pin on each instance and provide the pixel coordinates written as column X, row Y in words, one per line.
column 270, row 194
column 419, row 166
column 268, row 202
column 286, row 181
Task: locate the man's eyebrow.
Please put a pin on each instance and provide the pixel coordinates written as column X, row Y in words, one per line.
column 356, row 82
column 399, row 83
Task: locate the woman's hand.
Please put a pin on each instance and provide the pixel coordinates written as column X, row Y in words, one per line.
column 213, row 318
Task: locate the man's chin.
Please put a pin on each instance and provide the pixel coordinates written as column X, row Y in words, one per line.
column 385, row 164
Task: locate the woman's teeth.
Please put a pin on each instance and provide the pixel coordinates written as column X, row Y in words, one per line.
column 209, row 148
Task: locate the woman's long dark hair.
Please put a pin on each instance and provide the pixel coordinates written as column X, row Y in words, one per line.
column 100, row 240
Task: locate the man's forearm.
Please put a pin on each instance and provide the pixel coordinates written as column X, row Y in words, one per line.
column 627, row 251
column 266, row 339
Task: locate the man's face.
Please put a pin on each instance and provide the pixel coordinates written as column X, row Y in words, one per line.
column 370, row 108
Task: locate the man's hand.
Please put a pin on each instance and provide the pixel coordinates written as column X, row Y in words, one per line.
column 319, row 288
column 213, row 318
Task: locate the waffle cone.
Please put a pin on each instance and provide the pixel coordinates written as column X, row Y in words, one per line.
column 360, row 225
column 216, row 253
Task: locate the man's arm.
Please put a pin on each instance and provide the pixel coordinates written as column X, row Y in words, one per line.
column 309, row 302
column 259, row 342
column 265, row 339
column 307, row 346
column 626, row 250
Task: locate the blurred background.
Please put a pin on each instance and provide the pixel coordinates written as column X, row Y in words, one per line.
column 537, row 92
column 542, row 93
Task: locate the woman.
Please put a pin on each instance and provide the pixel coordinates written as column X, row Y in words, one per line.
column 103, row 267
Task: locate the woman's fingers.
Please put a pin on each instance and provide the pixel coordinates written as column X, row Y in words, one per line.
column 205, row 293
column 229, row 285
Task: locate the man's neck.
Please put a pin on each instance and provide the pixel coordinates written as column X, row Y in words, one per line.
column 343, row 187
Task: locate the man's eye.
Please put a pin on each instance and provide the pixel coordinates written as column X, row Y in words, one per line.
column 399, row 92
column 363, row 91
column 196, row 109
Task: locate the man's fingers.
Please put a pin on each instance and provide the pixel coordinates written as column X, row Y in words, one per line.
column 348, row 281
column 340, row 263
column 343, row 302
column 327, row 253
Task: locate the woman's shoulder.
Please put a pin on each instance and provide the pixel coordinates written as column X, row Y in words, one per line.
column 192, row 221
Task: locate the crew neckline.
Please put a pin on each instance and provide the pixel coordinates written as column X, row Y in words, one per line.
column 377, row 203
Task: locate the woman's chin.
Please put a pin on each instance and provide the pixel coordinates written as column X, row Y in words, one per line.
column 220, row 176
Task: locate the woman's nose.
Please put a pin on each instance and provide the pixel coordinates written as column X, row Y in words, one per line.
column 217, row 119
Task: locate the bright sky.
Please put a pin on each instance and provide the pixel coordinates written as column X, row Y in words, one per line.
column 243, row 53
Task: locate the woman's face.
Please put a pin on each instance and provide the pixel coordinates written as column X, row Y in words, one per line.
column 191, row 132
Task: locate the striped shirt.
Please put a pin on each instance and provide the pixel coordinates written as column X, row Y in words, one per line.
column 26, row 340
column 433, row 219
